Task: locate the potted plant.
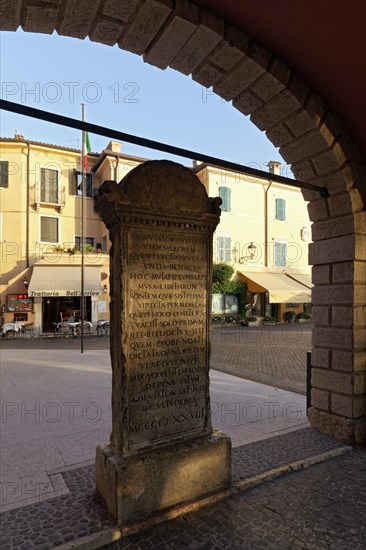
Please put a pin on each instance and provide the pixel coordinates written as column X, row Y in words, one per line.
column 302, row 317
column 252, row 321
column 290, row 316
column 58, row 248
column 269, row 320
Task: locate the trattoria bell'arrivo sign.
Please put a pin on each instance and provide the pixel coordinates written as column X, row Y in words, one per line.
column 59, row 293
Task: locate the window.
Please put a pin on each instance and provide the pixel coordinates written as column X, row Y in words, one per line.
column 280, row 254
column 280, row 209
column 223, row 249
column 89, row 241
column 4, row 173
column 49, row 186
column 88, row 183
column 225, row 196
column 49, row 229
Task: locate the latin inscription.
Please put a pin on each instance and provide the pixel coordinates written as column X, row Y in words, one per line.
column 166, row 335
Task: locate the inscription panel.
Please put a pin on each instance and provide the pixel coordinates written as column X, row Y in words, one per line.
column 165, row 340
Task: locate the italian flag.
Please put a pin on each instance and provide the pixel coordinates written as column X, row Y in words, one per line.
column 86, row 150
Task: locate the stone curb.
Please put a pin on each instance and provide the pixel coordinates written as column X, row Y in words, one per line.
column 108, row 536
column 253, row 481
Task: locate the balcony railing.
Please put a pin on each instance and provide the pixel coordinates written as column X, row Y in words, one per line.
column 49, row 195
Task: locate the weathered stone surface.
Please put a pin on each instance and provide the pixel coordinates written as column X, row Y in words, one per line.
column 161, row 224
column 334, row 381
column 176, row 32
column 10, row 14
column 275, row 110
column 38, row 16
column 337, row 227
column 320, row 399
column 321, row 274
column 337, row 249
column 143, row 30
column 318, row 210
column 340, row 427
column 77, row 18
column 320, row 357
column 239, row 79
column 208, row 34
column 140, row 485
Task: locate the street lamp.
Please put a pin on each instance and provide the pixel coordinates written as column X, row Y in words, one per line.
column 251, row 252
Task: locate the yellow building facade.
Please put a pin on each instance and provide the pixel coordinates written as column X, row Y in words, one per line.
column 40, row 233
column 264, row 233
column 264, row 230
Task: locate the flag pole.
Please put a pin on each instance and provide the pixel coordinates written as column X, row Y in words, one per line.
column 82, row 305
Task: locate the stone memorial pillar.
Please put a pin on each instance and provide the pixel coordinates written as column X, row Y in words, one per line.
column 163, row 453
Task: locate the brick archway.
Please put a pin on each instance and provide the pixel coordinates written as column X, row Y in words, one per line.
column 197, row 42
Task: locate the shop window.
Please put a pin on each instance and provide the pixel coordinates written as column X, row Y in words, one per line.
column 280, row 209
column 280, row 254
column 49, row 229
column 223, row 249
column 88, row 183
column 49, row 188
column 4, row 173
column 225, row 196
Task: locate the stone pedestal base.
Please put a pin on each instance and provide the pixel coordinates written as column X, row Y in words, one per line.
column 152, row 482
column 351, row 431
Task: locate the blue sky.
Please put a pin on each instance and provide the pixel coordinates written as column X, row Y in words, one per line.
column 120, row 91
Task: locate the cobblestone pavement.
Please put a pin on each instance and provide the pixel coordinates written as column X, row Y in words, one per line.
column 323, row 507
column 272, row 355
column 320, row 507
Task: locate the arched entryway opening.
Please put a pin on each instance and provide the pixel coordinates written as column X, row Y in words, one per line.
column 311, row 139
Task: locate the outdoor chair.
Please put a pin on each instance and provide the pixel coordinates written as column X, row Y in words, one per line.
column 28, row 328
column 87, row 329
column 10, row 334
column 63, row 330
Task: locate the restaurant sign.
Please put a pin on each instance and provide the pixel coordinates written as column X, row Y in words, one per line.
column 59, row 293
column 20, row 302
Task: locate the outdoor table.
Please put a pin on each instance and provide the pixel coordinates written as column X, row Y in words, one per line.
column 74, row 326
column 6, row 327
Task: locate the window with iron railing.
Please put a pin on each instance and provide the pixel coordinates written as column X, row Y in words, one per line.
column 49, row 186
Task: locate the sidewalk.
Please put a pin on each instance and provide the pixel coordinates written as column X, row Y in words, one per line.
column 55, row 414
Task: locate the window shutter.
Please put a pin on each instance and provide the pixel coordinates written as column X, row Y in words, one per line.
column 225, row 196
column 280, row 209
column 224, row 249
column 280, row 254
column 4, row 173
column 228, row 249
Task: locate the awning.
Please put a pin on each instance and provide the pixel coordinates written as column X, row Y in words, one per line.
column 303, row 278
column 281, row 288
column 52, row 281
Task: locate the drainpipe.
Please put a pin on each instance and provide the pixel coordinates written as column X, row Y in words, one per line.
column 116, row 168
column 27, row 222
column 266, row 224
